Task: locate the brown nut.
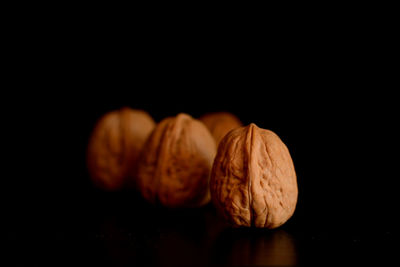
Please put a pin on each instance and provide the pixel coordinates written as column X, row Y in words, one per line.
column 115, row 145
column 220, row 123
column 253, row 181
column 176, row 162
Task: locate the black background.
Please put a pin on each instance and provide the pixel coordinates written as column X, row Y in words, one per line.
column 327, row 93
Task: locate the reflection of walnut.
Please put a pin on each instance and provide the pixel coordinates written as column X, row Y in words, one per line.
column 176, row 161
column 220, row 123
column 253, row 181
column 115, row 145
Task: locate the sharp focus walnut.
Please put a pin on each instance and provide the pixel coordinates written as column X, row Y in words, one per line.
column 253, row 181
column 115, row 145
column 175, row 165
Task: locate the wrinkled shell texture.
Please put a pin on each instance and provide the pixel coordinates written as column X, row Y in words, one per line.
column 115, row 145
column 253, row 181
column 220, row 123
column 176, row 162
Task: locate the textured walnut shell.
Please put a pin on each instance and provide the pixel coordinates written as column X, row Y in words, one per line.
column 115, row 145
column 253, row 181
column 220, row 123
column 176, row 162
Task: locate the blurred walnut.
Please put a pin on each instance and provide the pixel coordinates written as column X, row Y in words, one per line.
column 115, row 145
column 175, row 165
column 220, row 123
column 253, row 181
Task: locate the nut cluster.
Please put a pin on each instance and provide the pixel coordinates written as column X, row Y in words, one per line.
column 250, row 177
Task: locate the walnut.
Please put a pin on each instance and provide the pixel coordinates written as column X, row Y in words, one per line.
column 253, row 181
column 176, row 162
column 220, row 123
column 115, row 145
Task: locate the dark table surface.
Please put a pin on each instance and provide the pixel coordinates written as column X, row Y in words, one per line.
column 120, row 229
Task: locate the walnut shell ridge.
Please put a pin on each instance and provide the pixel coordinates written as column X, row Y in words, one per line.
column 175, row 165
column 253, row 180
column 220, row 123
column 115, row 145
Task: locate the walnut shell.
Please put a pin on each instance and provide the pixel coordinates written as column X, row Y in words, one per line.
column 115, row 145
column 253, row 181
column 220, row 123
column 176, row 162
